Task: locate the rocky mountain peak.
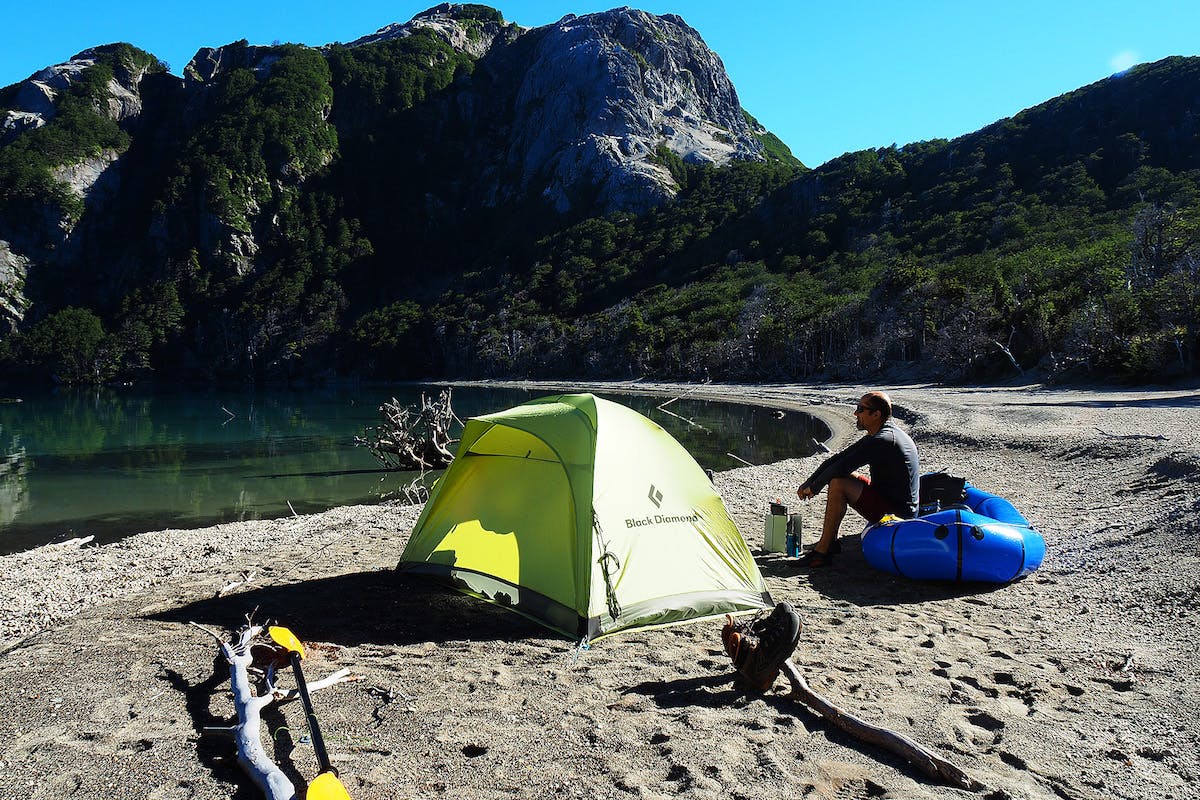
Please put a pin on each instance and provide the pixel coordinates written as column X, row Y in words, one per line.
column 605, row 92
column 211, row 62
column 34, row 101
column 470, row 29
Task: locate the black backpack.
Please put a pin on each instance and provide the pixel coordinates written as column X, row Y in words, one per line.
column 941, row 490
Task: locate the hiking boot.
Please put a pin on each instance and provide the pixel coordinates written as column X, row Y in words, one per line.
column 815, row 559
column 760, row 624
column 777, row 635
column 741, row 639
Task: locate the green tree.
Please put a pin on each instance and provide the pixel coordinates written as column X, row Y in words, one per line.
column 73, row 345
column 1164, row 274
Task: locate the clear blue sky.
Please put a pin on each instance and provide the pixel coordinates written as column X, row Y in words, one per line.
column 826, row 77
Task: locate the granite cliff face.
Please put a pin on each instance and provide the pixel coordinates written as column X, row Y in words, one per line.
column 603, row 92
column 209, row 63
column 589, row 104
column 34, row 101
column 12, row 288
column 48, row 234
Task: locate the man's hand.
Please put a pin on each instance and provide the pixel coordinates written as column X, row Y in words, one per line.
column 805, row 493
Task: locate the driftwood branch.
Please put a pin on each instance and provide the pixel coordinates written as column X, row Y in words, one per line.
column 341, row 676
column 413, row 438
column 69, row 543
column 691, row 422
column 685, row 394
column 252, row 757
column 1156, row 437
column 663, row 408
column 247, row 577
column 739, row 458
column 1006, row 349
column 925, row 760
column 742, row 641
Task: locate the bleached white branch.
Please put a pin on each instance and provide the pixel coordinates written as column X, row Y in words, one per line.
column 252, row 757
column 229, row 587
column 78, row 542
column 210, row 632
column 334, row 678
column 247, row 732
column 739, row 458
column 693, row 423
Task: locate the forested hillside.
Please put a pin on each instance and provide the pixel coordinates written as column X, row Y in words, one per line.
column 1063, row 239
column 392, row 209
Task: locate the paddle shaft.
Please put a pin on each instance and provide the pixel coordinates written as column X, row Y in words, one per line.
column 313, row 727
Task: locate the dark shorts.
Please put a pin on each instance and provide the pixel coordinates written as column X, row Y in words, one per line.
column 871, row 504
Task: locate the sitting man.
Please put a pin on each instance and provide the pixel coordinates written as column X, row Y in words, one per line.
column 892, row 488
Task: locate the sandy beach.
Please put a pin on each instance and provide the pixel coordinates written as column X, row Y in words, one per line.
column 1079, row 681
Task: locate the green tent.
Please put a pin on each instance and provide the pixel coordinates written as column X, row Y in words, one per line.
column 587, row 517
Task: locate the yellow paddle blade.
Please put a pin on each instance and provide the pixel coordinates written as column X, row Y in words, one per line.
column 285, row 639
column 326, row 786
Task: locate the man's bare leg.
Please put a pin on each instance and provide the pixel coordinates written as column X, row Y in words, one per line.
column 840, row 493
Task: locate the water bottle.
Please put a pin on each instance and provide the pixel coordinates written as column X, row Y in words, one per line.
column 793, row 535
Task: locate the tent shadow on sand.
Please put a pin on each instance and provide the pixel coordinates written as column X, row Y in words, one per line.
column 379, row 607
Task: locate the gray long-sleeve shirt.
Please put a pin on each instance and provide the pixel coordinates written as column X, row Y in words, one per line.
column 895, row 466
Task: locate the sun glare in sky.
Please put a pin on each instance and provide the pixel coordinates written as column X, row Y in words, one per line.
column 1124, row 60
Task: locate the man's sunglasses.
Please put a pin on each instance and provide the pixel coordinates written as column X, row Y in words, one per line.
column 862, row 409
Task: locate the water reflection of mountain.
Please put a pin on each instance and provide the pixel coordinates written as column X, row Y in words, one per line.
column 79, row 423
column 14, row 470
column 104, row 463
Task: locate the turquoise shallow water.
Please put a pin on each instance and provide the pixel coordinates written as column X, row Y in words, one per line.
column 112, row 463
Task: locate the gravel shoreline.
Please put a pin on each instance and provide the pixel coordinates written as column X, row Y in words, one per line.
column 1079, row 681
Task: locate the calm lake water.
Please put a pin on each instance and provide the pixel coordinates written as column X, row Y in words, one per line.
column 112, row 463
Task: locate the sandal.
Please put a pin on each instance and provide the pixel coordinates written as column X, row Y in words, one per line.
column 815, row 559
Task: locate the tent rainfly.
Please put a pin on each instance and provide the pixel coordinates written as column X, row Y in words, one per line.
column 587, row 517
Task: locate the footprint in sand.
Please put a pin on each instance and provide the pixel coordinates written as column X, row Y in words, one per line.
column 972, row 681
column 860, row 788
column 978, row 729
column 982, row 719
column 63, row 785
column 679, row 773
column 502, row 677
column 22, row 746
column 183, row 790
